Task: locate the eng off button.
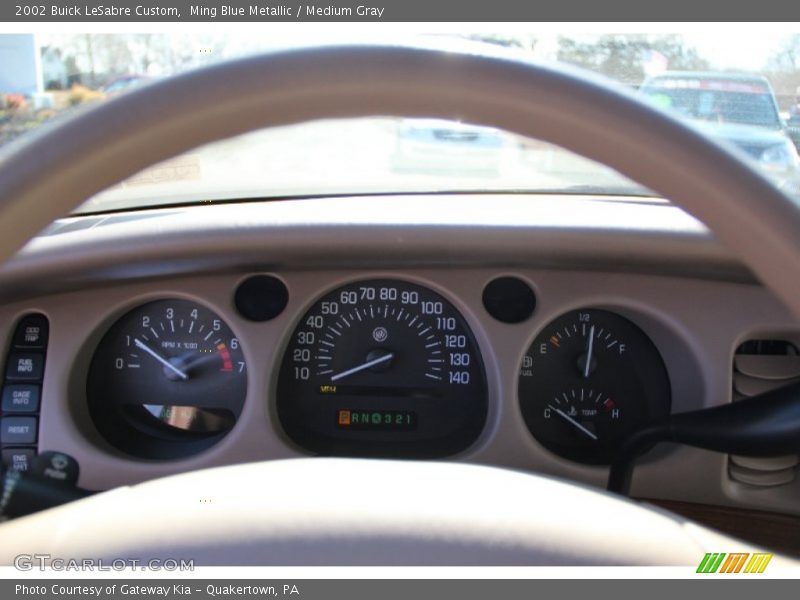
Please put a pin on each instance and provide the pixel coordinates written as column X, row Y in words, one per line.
column 18, row 459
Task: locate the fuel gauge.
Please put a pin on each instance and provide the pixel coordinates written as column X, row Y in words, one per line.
column 590, row 378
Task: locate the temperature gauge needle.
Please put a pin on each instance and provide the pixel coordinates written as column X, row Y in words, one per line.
column 161, row 359
column 572, row 421
column 366, row 365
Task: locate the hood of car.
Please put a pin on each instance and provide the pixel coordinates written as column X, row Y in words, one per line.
column 750, row 138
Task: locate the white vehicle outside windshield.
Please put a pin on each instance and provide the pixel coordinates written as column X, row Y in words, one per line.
column 745, row 98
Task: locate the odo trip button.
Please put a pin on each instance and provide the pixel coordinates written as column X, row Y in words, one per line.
column 31, row 333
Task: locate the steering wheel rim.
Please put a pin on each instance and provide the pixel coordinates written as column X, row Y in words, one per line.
column 100, row 147
column 96, row 149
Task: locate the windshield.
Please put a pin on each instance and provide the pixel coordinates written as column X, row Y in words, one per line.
column 742, row 95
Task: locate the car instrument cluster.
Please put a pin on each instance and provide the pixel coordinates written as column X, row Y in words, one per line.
column 379, row 367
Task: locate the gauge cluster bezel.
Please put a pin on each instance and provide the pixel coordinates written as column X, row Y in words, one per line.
column 590, row 379
column 77, row 400
column 312, row 292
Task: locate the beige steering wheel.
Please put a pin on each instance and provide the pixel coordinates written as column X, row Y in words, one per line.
column 299, row 512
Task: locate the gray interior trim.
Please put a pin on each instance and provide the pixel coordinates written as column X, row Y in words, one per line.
column 519, row 231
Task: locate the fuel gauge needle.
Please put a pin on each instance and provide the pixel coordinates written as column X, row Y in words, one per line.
column 161, row 359
column 589, row 353
column 572, row 421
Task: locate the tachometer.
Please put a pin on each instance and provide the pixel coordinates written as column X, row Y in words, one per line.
column 167, row 380
column 590, row 378
column 382, row 368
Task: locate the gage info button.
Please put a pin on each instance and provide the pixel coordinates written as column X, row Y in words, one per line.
column 18, row 430
column 20, row 398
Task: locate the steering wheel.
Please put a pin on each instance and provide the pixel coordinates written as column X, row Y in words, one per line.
column 313, row 511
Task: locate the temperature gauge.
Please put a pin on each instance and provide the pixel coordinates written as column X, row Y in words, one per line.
column 591, row 378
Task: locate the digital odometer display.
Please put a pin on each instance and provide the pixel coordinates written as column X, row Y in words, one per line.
column 382, row 368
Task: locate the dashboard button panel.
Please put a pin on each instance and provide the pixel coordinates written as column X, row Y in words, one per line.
column 21, row 395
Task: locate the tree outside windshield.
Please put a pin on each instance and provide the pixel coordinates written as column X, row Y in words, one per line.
column 742, row 95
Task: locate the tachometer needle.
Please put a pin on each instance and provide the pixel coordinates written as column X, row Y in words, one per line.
column 366, row 365
column 564, row 415
column 589, row 353
column 161, row 359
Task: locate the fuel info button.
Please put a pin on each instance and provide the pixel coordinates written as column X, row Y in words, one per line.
column 25, row 367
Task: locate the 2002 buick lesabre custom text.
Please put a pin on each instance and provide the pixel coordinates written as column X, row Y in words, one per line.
column 101, row 10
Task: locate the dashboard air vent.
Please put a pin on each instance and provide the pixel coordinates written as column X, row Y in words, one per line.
column 760, row 366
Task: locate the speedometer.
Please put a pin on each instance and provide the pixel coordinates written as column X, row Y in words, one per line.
column 382, row 368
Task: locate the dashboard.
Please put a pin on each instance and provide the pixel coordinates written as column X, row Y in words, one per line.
column 532, row 339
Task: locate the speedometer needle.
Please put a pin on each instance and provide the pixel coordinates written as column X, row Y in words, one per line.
column 161, row 359
column 564, row 415
column 366, row 365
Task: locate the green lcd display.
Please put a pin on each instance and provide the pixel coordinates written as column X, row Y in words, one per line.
column 395, row 420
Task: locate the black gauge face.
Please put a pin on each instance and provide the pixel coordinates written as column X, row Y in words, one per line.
column 382, row 368
column 167, row 380
column 591, row 378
